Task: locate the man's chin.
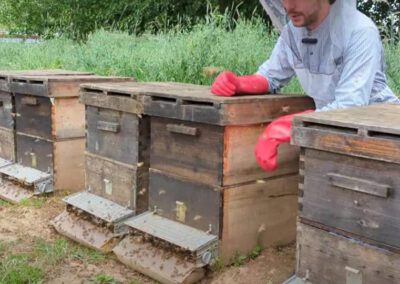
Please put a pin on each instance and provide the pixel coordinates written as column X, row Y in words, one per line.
column 298, row 23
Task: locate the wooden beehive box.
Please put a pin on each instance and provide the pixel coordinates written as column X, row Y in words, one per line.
column 202, row 168
column 350, row 167
column 117, row 143
column 50, row 125
column 7, row 107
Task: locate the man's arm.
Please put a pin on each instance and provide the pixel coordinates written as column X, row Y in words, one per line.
column 361, row 61
column 277, row 69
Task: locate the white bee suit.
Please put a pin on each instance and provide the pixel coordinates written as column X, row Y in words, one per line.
column 339, row 64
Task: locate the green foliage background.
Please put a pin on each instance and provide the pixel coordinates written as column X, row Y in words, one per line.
column 77, row 18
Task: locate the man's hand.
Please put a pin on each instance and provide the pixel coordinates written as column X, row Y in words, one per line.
column 228, row 84
column 277, row 132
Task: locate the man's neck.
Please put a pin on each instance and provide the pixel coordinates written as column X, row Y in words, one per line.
column 323, row 13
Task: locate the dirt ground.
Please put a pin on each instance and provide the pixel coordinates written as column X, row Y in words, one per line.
column 21, row 224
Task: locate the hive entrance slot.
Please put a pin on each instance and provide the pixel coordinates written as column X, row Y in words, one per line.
column 119, row 94
column 333, row 128
column 36, row 82
column 379, row 134
column 93, row 91
column 197, row 103
column 163, row 99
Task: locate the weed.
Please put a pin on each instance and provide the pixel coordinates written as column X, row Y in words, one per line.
column 255, row 252
column 15, row 269
column 103, row 279
column 4, row 203
column 238, row 259
column 33, row 202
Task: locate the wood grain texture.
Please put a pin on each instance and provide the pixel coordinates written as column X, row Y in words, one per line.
column 354, row 209
column 7, row 144
column 126, row 185
column 239, row 163
column 322, row 257
column 69, row 171
column 371, row 132
column 258, row 214
column 68, row 118
column 56, row 85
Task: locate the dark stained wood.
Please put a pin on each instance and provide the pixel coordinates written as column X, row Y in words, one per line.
column 354, row 207
column 35, row 152
column 213, row 154
column 126, row 185
column 121, row 96
column 195, row 204
column 323, row 258
column 260, row 214
column 125, row 139
column 7, row 110
column 197, row 157
column 7, row 144
column 57, row 85
column 202, row 106
column 34, row 119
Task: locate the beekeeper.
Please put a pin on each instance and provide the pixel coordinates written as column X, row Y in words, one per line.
column 334, row 50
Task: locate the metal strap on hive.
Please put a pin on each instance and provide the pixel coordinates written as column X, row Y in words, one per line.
column 4, row 163
column 99, row 207
column 42, row 182
column 172, row 232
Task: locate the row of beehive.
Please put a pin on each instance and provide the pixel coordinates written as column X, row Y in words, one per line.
column 199, row 169
column 349, row 222
column 42, row 126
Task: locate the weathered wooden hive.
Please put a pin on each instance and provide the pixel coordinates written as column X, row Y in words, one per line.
column 116, row 166
column 50, row 134
column 207, row 195
column 349, row 225
column 7, row 108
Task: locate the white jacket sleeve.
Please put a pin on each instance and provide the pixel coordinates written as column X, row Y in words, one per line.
column 277, row 69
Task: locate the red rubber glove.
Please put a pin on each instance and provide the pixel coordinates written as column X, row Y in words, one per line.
column 277, row 132
column 228, row 84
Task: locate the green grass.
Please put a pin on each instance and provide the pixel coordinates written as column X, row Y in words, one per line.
column 36, row 202
column 171, row 56
column 4, row 203
column 31, row 266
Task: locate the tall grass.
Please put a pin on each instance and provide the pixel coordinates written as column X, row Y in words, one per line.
column 169, row 56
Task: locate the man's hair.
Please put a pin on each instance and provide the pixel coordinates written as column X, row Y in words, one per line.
column 332, row 1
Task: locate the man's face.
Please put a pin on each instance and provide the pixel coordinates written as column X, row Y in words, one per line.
column 303, row 13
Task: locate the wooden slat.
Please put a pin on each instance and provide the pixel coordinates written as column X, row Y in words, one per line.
column 357, row 212
column 57, row 85
column 69, row 171
column 202, row 106
column 323, row 258
column 377, row 117
column 124, row 184
column 259, row 214
column 383, row 148
column 7, row 144
column 5, row 75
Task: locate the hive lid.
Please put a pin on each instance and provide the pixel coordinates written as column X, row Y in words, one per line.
column 6, row 74
column 370, row 131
